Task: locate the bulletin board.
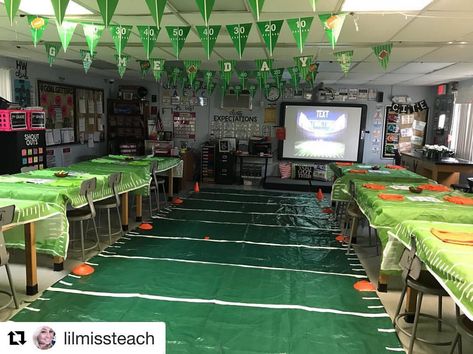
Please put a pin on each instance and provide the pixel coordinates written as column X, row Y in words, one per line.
column 73, row 113
column 184, row 125
column 403, row 131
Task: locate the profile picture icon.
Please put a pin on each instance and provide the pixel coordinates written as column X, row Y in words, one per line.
column 44, row 338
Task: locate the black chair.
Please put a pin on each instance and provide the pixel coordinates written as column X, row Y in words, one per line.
column 6, row 217
column 86, row 213
column 424, row 283
column 111, row 203
column 464, row 329
column 467, row 188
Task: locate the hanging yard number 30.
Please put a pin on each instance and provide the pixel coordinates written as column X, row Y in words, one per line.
column 239, row 30
column 121, row 32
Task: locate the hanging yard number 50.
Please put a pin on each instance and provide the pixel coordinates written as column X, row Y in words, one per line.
column 270, row 27
column 178, row 32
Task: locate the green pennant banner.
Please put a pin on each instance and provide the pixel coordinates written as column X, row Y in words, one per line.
column 92, row 34
column 205, row 7
column 344, row 59
column 312, row 74
column 120, row 35
column 260, row 79
column 107, row 9
column 256, row 7
column 303, row 64
column 295, row 76
column 59, row 7
column 211, row 89
column 37, row 26
column 263, row 67
column 196, row 85
column 52, row 50
column 66, row 31
column 237, row 89
column 157, row 66
column 122, row 63
column 208, row 78
column 175, row 73
column 383, row 53
column 239, row 34
column 277, row 76
column 243, row 77
column 149, row 37
column 313, row 3
column 332, row 25
column 12, row 8
column 300, row 28
column 227, row 67
column 145, row 65
column 87, row 59
column 252, row 90
column 183, row 81
column 270, row 31
column 157, row 10
column 177, row 36
column 192, row 66
column 208, row 37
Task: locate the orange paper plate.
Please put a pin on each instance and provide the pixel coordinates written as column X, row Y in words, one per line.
column 177, row 201
column 435, row 187
column 395, row 167
column 83, row 269
column 455, row 237
column 391, row 197
column 342, row 239
column 358, row 171
column 327, row 210
column 364, row 285
column 377, row 187
column 458, row 200
column 145, row 226
column 344, row 163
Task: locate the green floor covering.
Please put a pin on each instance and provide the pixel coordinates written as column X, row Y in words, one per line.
column 266, row 278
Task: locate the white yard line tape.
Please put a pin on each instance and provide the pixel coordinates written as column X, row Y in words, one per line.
column 220, row 302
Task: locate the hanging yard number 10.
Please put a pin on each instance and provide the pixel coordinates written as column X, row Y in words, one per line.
column 178, row 32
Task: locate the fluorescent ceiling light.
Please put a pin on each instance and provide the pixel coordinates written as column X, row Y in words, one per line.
column 44, row 8
column 384, row 5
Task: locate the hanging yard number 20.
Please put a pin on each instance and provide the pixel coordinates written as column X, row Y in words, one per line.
column 270, row 27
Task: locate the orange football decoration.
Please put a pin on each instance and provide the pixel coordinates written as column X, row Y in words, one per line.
column 37, row 23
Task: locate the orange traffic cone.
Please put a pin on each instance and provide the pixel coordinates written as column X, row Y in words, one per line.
column 196, row 187
column 319, row 195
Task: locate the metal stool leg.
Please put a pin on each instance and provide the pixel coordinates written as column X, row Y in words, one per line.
column 420, row 296
column 439, row 322
column 354, row 227
column 82, row 240
column 454, row 344
column 12, row 288
column 96, row 234
column 109, row 226
column 399, row 305
column 157, row 197
column 369, row 234
column 119, row 221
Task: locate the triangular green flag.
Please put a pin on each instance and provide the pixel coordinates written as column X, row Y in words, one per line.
column 256, row 7
column 208, row 77
column 211, row 89
column 227, row 67
column 145, row 65
column 205, row 7
column 383, row 53
column 157, row 10
column 252, row 90
column 149, row 37
column 237, row 89
column 87, row 59
column 66, row 31
column 92, row 34
column 107, row 9
column 270, row 32
column 157, row 66
column 344, row 59
column 295, row 76
column 277, row 76
column 300, row 28
column 12, row 8
column 239, row 34
column 263, row 67
column 303, row 64
column 120, row 35
column 122, row 62
column 192, row 66
column 312, row 74
column 178, row 35
column 332, row 25
column 59, row 7
column 243, row 77
column 175, row 73
column 37, row 27
column 260, row 79
column 52, row 50
column 208, row 37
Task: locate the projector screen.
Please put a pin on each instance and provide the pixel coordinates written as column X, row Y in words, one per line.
column 323, row 132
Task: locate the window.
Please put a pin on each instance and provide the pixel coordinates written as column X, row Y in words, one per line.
column 5, row 84
column 462, row 131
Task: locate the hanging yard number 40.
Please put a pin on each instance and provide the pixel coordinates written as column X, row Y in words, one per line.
column 209, row 32
column 149, row 32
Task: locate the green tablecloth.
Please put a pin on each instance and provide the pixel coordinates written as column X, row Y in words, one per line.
column 385, row 215
column 50, row 224
column 451, row 264
column 163, row 163
column 340, row 188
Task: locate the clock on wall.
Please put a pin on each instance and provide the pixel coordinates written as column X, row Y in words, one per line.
column 273, row 94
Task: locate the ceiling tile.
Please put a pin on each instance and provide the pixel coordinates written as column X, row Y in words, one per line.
column 393, row 79
column 373, row 68
column 458, row 53
column 420, row 68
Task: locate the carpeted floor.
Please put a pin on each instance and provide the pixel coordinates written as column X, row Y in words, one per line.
column 232, row 272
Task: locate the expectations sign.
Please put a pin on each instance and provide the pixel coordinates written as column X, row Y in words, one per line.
column 235, row 117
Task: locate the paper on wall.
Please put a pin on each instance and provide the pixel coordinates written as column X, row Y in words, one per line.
column 57, row 136
column 405, row 146
column 418, row 125
column 407, row 119
column 99, row 107
column 96, row 137
column 90, row 140
column 49, row 137
column 416, row 140
column 82, row 124
column 91, row 107
column 406, row 132
column 82, row 109
column 91, row 121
